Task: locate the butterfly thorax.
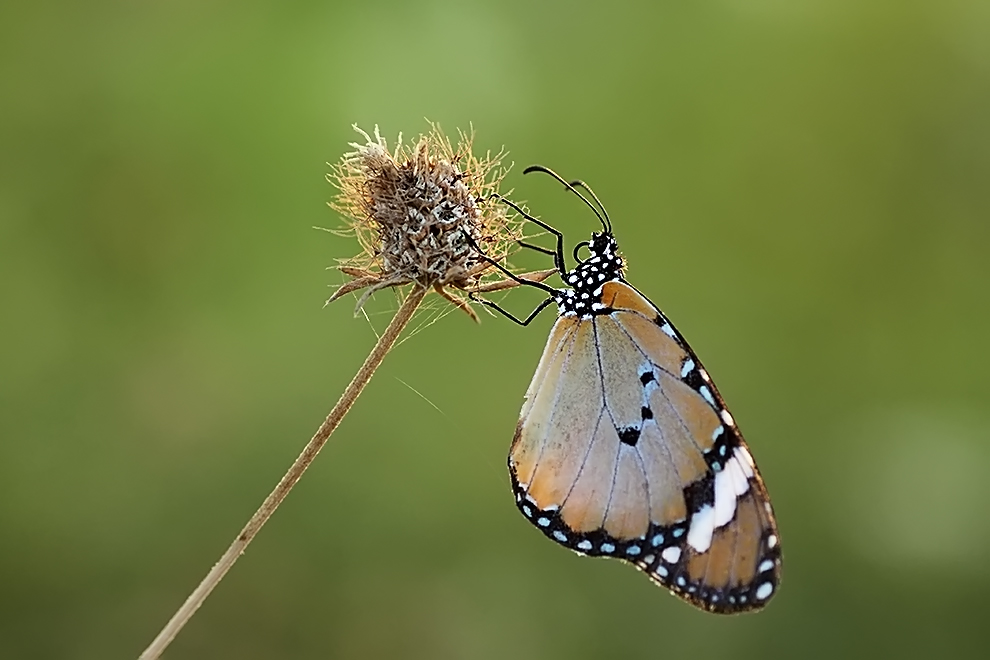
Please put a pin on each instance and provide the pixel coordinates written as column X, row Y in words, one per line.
column 583, row 295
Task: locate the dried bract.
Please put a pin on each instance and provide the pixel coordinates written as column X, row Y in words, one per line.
column 420, row 213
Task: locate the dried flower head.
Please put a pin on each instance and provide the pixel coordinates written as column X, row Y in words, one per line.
column 421, row 213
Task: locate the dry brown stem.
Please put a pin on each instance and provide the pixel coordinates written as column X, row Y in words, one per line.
column 309, row 452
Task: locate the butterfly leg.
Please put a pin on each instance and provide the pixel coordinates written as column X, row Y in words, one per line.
column 505, row 271
column 558, row 253
column 509, row 315
column 537, row 248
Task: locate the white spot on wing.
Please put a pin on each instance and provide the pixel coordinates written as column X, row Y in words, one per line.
column 702, row 526
column 727, row 418
column 746, row 456
column 725, row 495
column 671, row 554
column 705, row 392
column 764, row 591
column 738, row 479
column 687, row 368
column 668, row 330
column 744, row 459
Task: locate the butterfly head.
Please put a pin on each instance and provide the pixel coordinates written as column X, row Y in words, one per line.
column 585, row 281
column 603, row 247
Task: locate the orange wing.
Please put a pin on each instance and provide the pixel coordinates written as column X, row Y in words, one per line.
column 625, row 449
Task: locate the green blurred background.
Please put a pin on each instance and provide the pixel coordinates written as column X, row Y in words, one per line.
column 801, row 185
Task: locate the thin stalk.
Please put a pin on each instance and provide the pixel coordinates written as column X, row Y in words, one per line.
column 261, row 516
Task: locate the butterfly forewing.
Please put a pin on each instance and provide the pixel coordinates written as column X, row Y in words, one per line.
column 624, row 448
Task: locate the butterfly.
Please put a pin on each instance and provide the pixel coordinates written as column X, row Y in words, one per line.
column 624, row 447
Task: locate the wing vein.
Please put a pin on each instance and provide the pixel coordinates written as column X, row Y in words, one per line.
column 584, row 461
column 601, row 380
column 646, row 480
column 598, row 423
column 556, row 397
column 676, row 376
column 680, row 419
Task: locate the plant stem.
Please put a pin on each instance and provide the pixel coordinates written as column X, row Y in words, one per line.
column 261, row 516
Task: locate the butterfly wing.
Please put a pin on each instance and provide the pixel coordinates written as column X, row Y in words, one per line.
column 624, row 448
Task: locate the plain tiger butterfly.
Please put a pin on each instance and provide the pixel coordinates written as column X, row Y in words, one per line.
column 624, row 447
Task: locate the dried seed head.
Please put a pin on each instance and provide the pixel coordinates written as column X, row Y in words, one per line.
column 418, row 213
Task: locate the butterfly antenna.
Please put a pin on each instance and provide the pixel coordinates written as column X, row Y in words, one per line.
column 546, row 170
column 578, row 183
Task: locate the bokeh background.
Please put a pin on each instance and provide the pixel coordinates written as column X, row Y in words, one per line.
column 802, row 185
